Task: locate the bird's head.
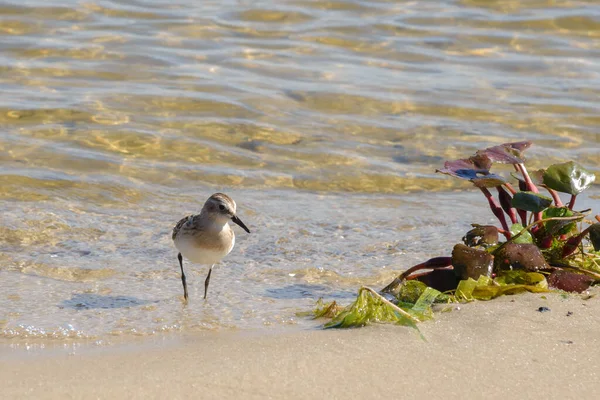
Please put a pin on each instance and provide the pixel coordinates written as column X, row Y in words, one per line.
column 222, row 207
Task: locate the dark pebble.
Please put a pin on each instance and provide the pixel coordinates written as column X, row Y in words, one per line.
column 543, row 309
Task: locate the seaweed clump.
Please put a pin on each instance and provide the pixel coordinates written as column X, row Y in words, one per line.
column 541, row 244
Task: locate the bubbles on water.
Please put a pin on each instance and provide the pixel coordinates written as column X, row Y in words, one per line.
column 22, row 331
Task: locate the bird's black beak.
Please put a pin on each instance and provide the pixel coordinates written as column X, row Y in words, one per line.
column 240, row 223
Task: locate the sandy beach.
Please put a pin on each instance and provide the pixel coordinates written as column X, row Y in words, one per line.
column 340, row 128
column 504, row 348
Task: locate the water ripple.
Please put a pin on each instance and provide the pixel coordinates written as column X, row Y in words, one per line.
column 326, row 120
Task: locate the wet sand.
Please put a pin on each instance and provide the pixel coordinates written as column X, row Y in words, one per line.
column 504, row 348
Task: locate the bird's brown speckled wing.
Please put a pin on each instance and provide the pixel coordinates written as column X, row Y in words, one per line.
column 179, row 225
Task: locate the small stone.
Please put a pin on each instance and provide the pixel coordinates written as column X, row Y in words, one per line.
column 543, row 309
column 569, row 313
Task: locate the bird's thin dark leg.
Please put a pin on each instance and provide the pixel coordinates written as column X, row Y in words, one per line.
column 185, row 292
column 207, row 281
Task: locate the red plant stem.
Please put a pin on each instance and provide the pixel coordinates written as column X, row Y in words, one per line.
column 432, row 263
column 424, row 273
column 522, row 213
column 573, row 242
column 557, row 201
column 510, row 188
column 506, row 203
column 530, row 185
column 497, row 210
column 523, row 216
column 545, row 243
column 572, row 202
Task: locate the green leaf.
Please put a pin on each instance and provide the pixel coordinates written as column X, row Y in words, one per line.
column 530, row 201
column 410, row 291
column 509, row 282
column 568, row 177
column 370, row 307
column 595, row 236
column 521, row 277
column 326, row 310
column 422, row 308
column 465, row 288
column 490, row 292
column 556, row 228
column 525, row 238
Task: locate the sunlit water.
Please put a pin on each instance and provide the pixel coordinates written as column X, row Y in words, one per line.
column 325, row 121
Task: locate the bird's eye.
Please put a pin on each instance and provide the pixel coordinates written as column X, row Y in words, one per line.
column 221, row 207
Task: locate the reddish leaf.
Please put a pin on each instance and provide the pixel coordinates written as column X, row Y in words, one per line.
column 595, row 236
column 464, row 169
column 481, row 235
column 439, row 279
column 471, row 263
column 569, row 281
column 474, row 169
column 507, row 153
column 513, row 255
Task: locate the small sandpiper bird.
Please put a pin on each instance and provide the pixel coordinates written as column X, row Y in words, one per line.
column 206, row 238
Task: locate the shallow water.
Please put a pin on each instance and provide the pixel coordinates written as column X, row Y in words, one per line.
column 324, row 120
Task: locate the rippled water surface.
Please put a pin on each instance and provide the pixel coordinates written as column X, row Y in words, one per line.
column 325, row 120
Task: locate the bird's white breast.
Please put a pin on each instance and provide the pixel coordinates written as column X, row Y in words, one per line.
column 194, row 252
